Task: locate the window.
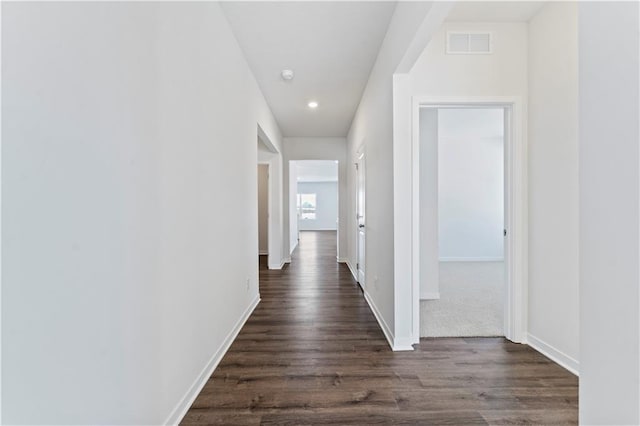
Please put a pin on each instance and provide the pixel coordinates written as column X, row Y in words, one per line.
column 307, row 206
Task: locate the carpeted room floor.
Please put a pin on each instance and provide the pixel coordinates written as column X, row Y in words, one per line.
column 471, row 301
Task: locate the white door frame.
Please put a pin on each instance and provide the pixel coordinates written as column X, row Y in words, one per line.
column 269, row 213
column 515, row 175
column 360, row 173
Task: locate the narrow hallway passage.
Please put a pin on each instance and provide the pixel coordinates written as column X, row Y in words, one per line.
column 313, row 353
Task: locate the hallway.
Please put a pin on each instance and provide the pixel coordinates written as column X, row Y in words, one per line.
column 313, row 353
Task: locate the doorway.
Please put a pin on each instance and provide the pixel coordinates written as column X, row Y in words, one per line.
column 314, row 199
column 426, row 247
column 263, row 214
column 462, row 185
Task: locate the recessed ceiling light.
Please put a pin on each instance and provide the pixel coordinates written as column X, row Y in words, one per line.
column 287, row 75
column 313, row 104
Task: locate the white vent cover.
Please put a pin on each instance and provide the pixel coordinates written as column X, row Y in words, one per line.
column 468, row 43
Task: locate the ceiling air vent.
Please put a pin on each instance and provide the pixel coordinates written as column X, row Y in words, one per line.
column 468, row 43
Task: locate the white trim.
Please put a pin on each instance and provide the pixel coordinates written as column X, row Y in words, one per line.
column 355, row 276
column 554, row 354
column 186, row 401
column 430, row 296
column 263, row 253
column 388, row 334
column 319, row 229
column 516, row 221
column 395, row 344
column 279, row 266
column 293, row 248
column 287, row 260
column 472, row 259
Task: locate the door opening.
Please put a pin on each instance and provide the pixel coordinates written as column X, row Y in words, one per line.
column 313, row 199
column 508, row 198
column 462, row 222
column 263, row 214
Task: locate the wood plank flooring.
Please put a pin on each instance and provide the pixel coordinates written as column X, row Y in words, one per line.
column 313, row 353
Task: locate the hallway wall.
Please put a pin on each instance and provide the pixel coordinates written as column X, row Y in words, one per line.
column 609, row 178
column 129, row 208
column 553, row 181
column 372, row 130
column 326, row 206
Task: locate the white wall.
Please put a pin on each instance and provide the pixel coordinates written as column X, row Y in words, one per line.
column 334, row 149
column 503, row 73
column 372, row 128
column 326, row 205
column 429, row 250
column 553, row 181
column 609, row 105
column 470, row 180
column 129, row 207
column 263, row 208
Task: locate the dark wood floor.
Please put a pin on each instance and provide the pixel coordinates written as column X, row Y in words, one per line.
column 313, row 353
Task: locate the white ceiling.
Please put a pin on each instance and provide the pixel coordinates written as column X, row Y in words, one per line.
column 330, row 46
column 494, row 11
column 316, row 171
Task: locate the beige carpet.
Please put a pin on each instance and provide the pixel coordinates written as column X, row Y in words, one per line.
column 471, row 301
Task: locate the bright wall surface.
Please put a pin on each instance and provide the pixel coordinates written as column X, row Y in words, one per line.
column 503, row 73
column 263, row 208
column 129, row 207
column 553, row 180
column 428, row 163
column 372, row 132
column 326, row 206
column 609, row 135
column 334, row 149
column 470, row 184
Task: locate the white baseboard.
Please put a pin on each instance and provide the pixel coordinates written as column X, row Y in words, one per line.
column 430, row 296
column 185, row 403
column 291, row 249
column 388, row 334
column 554, row 354
column 279, row 265
column 353, row 272
column 263, row 253
column 472, row 259
column 395, row 344
column 342, row 259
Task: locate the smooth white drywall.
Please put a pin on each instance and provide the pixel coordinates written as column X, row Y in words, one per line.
column 470, row 184
column 502, row 73
column 326, row 206
column 263, row 208
column 372, row 132
column 553, row 178
column 609, row 137
column 293, row 210
column 429, row 256
column 129, row 206
column 334, row 149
